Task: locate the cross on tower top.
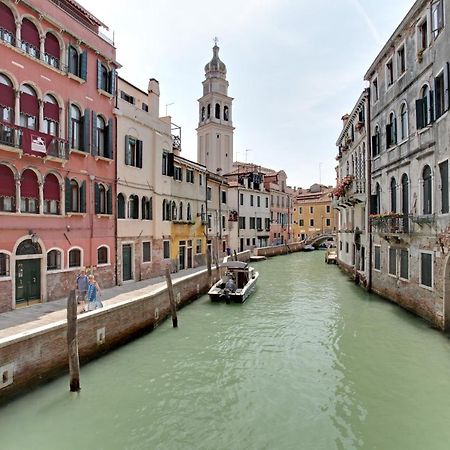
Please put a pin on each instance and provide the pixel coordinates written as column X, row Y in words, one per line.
column 216, row 40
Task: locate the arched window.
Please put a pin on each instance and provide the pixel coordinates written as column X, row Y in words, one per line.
column 146, row 209
column 180, row 211
column 74, row 196
column 102, row 255
column 7, row 102
column 404, row 121
column 208, row 111
column 423, row 108
column 217, row 111
column 391, row 131
column 29, row 107
column 101, row 136
column 74, row 61
column 54, row 260
column 102, row 199
column 393, row 195
column 225, row 113
column 166, row 210
column 174, row 211
column 427, row 192
column 189, row 212
column 7, row 189
column 75, row 127
column 52, row 50
column 103, row 78
column 4, row 261
column 133, row 207
column 51, row 115
column 29, row 192
column 120, row 206
column 51, row 194
column 7, row 24
column 30, row 41
column 376, row 142
column 75, row 258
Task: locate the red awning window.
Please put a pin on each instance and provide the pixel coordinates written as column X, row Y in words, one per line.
column 51, row 187
column 6, row 95
column 51, row 111
column 7, row 183
column 52, row 45
column 30, row 33
column 7, row 21
column 29, row 104
column 29, row 184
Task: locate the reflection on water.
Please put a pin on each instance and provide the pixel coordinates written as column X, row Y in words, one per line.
column 309, row 362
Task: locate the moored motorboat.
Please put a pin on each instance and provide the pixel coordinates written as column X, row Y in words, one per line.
column 237, row 284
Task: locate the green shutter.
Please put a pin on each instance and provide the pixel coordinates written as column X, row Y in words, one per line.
column 83, row 197
column 99, row 74
column 431, row 105
column 86, row 130
column 139, row 154
column 94, row 149
column 419, row 114
column 112, row 81
column 127, row 150
column 83, row 65
column 109, row 199
column 110, row 140
column 68, row 196
column 69, row 124
column 97, row 198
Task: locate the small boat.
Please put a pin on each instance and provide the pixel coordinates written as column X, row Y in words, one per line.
column 331, row 256
column 308, row 248
column 237, row 284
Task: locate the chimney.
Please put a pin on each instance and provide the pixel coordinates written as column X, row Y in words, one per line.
column 153, row 95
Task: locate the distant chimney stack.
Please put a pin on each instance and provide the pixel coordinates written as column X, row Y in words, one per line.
column 153, row 95
column 344, row 119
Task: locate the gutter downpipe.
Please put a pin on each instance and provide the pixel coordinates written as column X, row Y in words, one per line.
column 369, row 188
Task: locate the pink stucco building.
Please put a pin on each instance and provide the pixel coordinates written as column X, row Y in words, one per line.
column 57, row 150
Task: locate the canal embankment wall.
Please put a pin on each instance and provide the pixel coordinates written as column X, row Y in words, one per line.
column 40, row 354
column 279, row 249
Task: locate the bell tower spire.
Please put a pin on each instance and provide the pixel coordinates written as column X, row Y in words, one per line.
column 215, row 127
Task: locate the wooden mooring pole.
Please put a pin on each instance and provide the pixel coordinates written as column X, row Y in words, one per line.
column 173, row 306
column 72, row 343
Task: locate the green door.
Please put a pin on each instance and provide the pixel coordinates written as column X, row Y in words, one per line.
column 126, row 263
column 28, row 280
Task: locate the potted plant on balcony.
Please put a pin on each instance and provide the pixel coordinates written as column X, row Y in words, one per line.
column 342, row 187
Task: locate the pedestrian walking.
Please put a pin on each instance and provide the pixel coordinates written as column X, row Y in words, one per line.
column 81, row 287
column 93, row 294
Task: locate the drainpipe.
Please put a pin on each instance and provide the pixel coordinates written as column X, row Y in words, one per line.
column 114, row 202
column 369, row 188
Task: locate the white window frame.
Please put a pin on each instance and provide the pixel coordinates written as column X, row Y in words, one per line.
column 397, row 64
column 386, row 70
column 372, row 86
column 61, row 251
column 108, row 256
column 7, row 277
column 151, row 259
column 75, row 247
column 429, row 288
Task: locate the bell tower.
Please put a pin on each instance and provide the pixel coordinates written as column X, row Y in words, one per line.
column 215, row 126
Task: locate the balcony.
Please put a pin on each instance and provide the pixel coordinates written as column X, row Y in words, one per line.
column 349, row 192
column 391, row 224
column 19, row 139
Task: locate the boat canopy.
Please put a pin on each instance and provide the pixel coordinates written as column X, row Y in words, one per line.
column 235, row 265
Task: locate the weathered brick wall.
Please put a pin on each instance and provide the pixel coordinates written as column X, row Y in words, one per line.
column 41, row 354
column 5, row 295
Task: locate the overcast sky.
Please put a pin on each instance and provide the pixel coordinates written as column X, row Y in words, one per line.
column 294, row 68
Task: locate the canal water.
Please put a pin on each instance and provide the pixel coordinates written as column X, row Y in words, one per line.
column 309, row 362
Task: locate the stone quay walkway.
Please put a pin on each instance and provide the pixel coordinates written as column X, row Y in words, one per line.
column 28, row 318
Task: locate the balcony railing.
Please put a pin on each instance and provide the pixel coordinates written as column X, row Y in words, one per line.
column 7, row 36
column 10, row 135
column 391, row 223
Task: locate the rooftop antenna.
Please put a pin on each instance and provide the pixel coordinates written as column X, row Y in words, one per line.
column 216, row 40
column 169, row 104
column 246, row 151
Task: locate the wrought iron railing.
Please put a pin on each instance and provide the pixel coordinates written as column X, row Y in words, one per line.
column 391, row 223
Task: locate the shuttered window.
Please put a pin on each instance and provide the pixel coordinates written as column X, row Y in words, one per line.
column 392, row 261
column 146, row 252
column 377, row 255
column 443, row 170
column 404, row 264
column 426, row 269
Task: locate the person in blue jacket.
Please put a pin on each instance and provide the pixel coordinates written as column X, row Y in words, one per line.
column 93, row 294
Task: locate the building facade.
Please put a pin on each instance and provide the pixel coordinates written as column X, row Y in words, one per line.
column 57, row 149
column 142, row 187
column 313, row 213
column 350, row 195
column 409, row 102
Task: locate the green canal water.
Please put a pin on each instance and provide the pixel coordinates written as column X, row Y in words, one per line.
column 309, row 362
